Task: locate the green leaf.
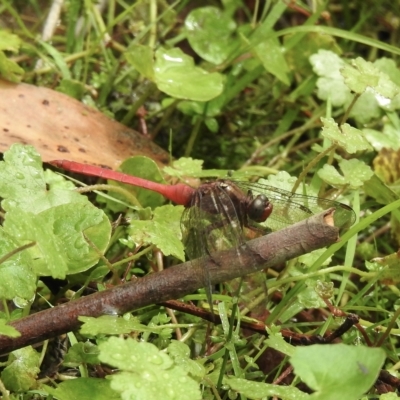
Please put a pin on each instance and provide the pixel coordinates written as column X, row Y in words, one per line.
column 146, row 372
column 141, row 57
column 110, row 325
column 56, row 219
column 276, row 341
column 309, row 298
column 195, row 108
column 210, row 109
column 188, row 167
column 388, row 267
column 82, row 352
column 389, row 137
column 351, row 139
column 363, row 74
column 185, row 166
column 83, row 389
column 58, row 59
column 318, row 367
column 380, row 191
column 389, row 67
column 22, row 183
column 366, row 108
column 17, row 278
column 8, row 330
column 309, row 259
column 355, row 173
column 388, row 396
column 210, row 33
column 163, row 230
column 270, row 54
column 298, row 55
column 9, row 41
column 257, row 390
column 61, row 247
column 330, row 83
column 180, row 354
column 212, row 124
column 22, row 372
column 283, row 180
column 337, row 79
column 72, row 88
column 176, row 75
column 9, row 69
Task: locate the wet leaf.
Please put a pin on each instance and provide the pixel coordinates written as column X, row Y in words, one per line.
column 351, row 139
column 82, row 352
column 61, row 247
column 210, row 32
column 389, row 137
column 389, row 268
column 8, row 330
column 258, row 390
column 355, row 173
column 363, row 74
column 330, row 83
column 163, row 230
column 317, row 365
column 141, row 57
column 21, row 373
column 185, row 166
column 180, row 353
column 145, row 372
column 9, row 41
column 83, row 389
column 176, row 75
column 56, row 219
column 110, row 325
column 270, row 54
column 17, row 278
column 9, row 69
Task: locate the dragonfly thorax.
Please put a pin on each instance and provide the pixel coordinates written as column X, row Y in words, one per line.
column 257, row 208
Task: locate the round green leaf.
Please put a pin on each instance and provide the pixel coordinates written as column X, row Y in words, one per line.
column 321, row 367
column 209, row 31
column 141, row 57
column 176, row 75
column 61, row 248
column 146, row 372
column 351, row 139
column 17, row 278
column 20, row 375
column 83, row 389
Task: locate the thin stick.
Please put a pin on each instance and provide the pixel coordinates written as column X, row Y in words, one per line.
column 175, row 282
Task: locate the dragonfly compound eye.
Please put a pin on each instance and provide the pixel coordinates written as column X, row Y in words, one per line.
column 259, row 208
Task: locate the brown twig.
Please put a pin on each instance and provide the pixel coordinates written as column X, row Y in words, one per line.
column 175, row 282
column 293, row 338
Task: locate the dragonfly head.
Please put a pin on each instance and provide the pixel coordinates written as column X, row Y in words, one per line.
column 259, row 208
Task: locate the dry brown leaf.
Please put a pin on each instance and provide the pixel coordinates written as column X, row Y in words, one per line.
column 60, row 127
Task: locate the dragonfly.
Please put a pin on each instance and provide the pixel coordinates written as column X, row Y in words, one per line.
column 219, row 215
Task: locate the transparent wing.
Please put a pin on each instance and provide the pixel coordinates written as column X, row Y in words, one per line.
column 212, row 220
column 289, row 208
column 212, row 223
